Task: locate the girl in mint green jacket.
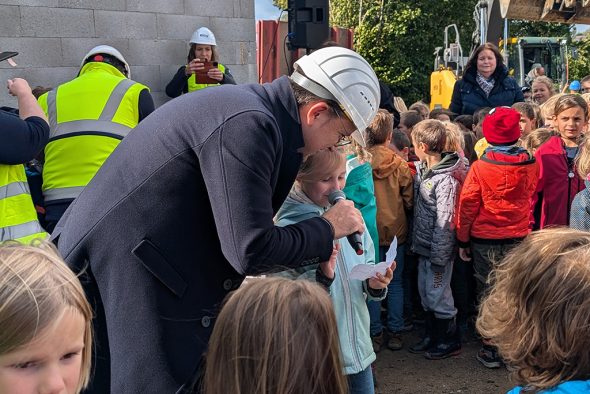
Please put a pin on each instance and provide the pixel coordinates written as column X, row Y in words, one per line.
column 321, row 174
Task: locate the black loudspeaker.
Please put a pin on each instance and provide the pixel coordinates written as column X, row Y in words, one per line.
column 308, row 23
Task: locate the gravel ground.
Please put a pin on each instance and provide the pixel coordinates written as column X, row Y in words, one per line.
column 404, row 372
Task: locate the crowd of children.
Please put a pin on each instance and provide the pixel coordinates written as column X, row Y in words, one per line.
column 424, row 189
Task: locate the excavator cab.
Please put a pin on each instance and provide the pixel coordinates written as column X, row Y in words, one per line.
column 526, row 53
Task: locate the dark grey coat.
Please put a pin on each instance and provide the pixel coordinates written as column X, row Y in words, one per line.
column 176, row 217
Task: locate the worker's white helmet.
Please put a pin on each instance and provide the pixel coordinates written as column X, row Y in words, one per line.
column 203, row 36
column 342, row 75
column 109, row 50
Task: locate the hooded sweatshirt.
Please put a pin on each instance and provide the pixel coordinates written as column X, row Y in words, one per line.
column 394, row 193
column 348, row 295
column 437, row 193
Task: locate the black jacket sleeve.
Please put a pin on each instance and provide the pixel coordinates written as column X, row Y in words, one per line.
column 239, row 174
column 21, row 139
column 146, row 104
column 228, row 78
column 456, row 101
column 178, row 85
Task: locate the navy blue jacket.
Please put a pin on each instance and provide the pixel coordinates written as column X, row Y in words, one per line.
column 468, row 96
column 175, row 218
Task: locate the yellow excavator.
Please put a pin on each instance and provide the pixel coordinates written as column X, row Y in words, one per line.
column 520, row 53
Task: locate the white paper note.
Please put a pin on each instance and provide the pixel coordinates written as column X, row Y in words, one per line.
column 366, row 271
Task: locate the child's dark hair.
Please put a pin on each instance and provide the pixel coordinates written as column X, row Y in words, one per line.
column 469, row 150
column 410, row 118
column 400, row 140
column 526, row 109
column 480, row 114
column 435, row 113
column 465, row 120
column 432, row 133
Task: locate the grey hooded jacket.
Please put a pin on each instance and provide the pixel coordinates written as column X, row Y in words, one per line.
column 437, row 193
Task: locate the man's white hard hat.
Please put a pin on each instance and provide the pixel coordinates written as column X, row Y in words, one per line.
column 109, row 50
column 342, row 75
column 203, row 36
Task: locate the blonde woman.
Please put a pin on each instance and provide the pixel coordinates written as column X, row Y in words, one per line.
column 538, row 312
column 45, row 323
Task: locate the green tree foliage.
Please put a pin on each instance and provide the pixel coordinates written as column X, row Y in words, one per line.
column 398, row 37
column 579, row 65
column 519, row 28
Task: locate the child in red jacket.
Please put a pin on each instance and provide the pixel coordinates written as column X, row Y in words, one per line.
column 495, row 203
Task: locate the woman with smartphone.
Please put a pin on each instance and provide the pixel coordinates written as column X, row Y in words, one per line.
column 202, row 69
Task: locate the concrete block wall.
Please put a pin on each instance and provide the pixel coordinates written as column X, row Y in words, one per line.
column 52, row 36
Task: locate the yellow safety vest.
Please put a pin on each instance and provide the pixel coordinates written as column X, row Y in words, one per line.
column 88, row 118
column 18, row 218
column 193, row 85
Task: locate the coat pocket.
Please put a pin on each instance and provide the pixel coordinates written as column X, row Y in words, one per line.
column 156, row 264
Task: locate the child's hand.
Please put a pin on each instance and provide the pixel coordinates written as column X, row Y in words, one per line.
column 465, row 254
column 329, row 267
column 381, row 281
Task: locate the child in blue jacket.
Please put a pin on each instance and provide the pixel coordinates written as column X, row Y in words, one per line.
column 321, row 174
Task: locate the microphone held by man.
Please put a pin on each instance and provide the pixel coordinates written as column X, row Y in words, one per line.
column 337, row 198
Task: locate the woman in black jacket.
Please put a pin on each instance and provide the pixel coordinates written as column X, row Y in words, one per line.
column 485, row 83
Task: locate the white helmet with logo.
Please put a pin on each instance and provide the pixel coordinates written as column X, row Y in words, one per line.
column 203, row 36
column 342, row 75
column 109, row 50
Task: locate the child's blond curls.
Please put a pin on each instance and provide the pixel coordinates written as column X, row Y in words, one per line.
column 538, row 310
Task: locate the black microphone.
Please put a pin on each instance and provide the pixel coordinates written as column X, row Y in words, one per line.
column 354, row 239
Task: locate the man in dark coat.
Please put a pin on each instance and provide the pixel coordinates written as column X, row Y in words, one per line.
column 183, row 210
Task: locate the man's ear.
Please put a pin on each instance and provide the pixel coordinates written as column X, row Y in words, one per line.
column 311, row 112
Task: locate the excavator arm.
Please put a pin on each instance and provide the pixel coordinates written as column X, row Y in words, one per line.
column 564, row 11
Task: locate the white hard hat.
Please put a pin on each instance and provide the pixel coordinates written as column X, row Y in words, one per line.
column 342, row 75
column 203, row 36
column 109, row 51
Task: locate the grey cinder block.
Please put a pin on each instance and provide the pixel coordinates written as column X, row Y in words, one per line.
column 160, row 6
column 125, row 24
column 115, row 5
column 209, row 7
column 9, row 21
column 180, row 27
column 56, row 22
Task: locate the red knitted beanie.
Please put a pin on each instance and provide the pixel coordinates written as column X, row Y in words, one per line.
column 501, row 126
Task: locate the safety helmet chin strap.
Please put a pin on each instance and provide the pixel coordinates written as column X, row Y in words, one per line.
column 312, row 86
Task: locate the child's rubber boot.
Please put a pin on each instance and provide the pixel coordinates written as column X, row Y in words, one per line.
column 449, row 343
column 427, row 339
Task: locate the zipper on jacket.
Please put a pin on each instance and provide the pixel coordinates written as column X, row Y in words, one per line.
column 570, row 176
column 348, row 303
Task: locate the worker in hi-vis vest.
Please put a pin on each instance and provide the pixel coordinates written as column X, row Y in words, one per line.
column 202, row 69
column 23, row 137
column 88, row 118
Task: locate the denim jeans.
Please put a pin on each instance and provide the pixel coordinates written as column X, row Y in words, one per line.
column 395, row 297
column 362, row 382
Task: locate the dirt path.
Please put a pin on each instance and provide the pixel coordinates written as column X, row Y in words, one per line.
column 404, row 372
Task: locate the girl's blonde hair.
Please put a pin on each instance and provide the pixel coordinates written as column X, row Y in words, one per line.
column 545, row 81
column 568, row 101
column 275, row 335
column 533, row 140
column 548, row 107
column 583, row 158
column 455, row 141
column 320, row 165
column 538, row 310
column 36, row 288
